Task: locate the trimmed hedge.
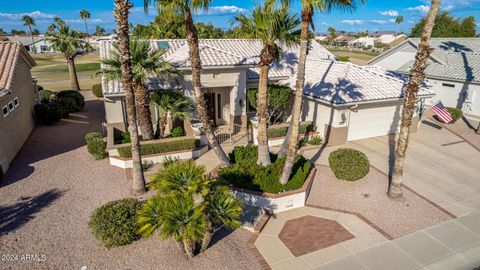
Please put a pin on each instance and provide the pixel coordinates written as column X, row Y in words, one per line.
column 48, row 113
column 162, row 147
column 349, row 164
column 68, row 104
column 115, row 223
column 97, row 90
column 245, row 173
column 456, row 114
column 96, row 146
column 76, row 95
column 282, row 131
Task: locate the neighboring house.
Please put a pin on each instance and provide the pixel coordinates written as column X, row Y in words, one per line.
column 94, row 41
column 453, row 71
column 364, row 42
column 230, row 69
column 391, row 39
column 17, row 99
column 343, row 40
column 40, row 43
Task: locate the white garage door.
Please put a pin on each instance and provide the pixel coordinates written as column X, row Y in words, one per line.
column 374, row 122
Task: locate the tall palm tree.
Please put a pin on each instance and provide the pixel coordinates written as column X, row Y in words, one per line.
column 332, row 34
column 398, row 21
column 173, row 103
column 417, row 75
column 68, row 42
column 170, row 8
column 85, row 15
column 120, row 12
column 146, row 63
column 274, row 26
column 308, row 9
column 29, row 21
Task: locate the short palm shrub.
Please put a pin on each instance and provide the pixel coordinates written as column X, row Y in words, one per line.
column 126, row 137
column 456, row 114
column 96, row 146
column 348, row 164
column 115, row 223
column 97, row 90
column 162, row 147
column 315, row 140
column 46, row 95
column 48, row 113
column 79, row 99
column 177, row 132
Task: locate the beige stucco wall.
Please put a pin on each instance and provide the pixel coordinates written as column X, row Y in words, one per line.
column 113, row 109
column 16, row 127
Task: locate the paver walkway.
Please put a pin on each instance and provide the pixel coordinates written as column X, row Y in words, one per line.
column 52, row 188
column 452, row 245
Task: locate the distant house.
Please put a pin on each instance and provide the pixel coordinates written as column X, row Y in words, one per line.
column 390, row 40
column 17, row 98
column 364, row 42
column 345, row 101
column 40, row 43
column 343, row 40
column 453, row 71
column 95, row 40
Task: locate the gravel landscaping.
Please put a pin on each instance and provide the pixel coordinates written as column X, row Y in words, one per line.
column 52, row 188
column 368, row 198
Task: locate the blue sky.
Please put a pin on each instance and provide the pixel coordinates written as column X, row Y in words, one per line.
column 375, row 15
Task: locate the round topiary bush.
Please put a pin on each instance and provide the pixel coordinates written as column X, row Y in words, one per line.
column 349, row 164
column 177, row 132
column 45, row 95
column 68, row 105
column 96, row 146
column 76, row 95
column 97, row 90
column 115, row 223
column 47, row 114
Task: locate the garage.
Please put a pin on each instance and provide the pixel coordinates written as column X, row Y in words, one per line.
column 374, row 121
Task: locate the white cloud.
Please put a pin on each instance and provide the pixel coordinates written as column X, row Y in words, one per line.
column 391, row 13
column 215, row 10
column 421, row 8
column 35, row 14
column 411, row 21
column 353, row 22
column 82, row 21
column 391, row 21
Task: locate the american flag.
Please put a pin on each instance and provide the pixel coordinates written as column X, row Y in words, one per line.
column 441, row 112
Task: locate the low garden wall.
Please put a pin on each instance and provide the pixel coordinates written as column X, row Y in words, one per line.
column 276, row 133
column 278, row 202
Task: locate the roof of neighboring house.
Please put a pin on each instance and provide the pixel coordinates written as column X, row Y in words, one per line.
column 452, row 58
column 387, row 39
column 340, row 83
column 10, row 54
column 224, row 53
column 26, row 40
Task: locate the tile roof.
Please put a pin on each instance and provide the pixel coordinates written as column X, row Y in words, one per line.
column 26, row 40
column 341, row 83
column 224, row 53
column 10, row 53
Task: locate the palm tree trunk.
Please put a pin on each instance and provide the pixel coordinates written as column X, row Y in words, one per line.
column 162, row 123
column 142, row 102
column 297, row 103
column 88, row 35
column 192, row 39
column 72, row 72
column 417, row 75
column 262, row 103
column 121, row 18
column 34, row 49
column 286, row 142
column 207, row 238
column 189, row 248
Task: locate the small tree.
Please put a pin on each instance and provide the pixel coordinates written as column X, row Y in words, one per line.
column 29, row 22
column 173, row 103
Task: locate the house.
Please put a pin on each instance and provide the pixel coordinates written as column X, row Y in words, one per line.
column 230, row 69
column 343, row 40
column 453, row 71
column 40, row 42
column 17, row 98
column 364, row 42
column 390, row 40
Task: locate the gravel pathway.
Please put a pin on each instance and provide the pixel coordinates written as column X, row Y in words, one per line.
column 51, row 190
column 368, row 198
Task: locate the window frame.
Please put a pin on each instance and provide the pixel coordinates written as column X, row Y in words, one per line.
column 16, row 103
column 11, row 106
column 3, row 111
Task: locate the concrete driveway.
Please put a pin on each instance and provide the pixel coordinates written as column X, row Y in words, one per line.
column 439, row 165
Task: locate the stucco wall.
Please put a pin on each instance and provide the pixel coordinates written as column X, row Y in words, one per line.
column 113, row 109
column 16, row 127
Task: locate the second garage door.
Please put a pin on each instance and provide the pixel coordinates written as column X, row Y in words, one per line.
column 372, row 122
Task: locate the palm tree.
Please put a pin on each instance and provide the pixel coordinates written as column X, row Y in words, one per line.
column 68, row 42
column 51, row 28
column 121, row 19
column 332, row 34
column 185, row 8
column 146, row 63
column 273, row 25
column 28, row 21
column 173, row 103
column 84, row 14
column 417, row 75
column 99, row 31
column 308, row 9
column 188, row 201
column 398, row 21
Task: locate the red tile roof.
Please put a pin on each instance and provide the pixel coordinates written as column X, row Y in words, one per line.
column 10, row 53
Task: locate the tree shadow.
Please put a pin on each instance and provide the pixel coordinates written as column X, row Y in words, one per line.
column 392, row 143
column 14, row 216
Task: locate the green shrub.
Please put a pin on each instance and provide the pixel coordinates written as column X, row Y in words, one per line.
column 46, row 95
column 343, row 58
column 97, row 90
column 456, row 114
column 282, row 131
column 115, row 223
column 349, row 164
column 48, row 113
column 96, row 146
column 126, row 137
column 315, row 140
column 162, row 147
column 245, row 173
column 177, row 132
column 76, row 95
column 68, row 105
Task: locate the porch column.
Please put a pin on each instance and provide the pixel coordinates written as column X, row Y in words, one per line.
column 238, row 108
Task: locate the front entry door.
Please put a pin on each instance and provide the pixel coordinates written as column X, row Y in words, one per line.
column 210, row 104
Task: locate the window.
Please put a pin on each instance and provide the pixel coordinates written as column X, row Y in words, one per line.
column 43, row 48
column 15, row 102
column 11, row 106
column 5, row 111
column 448, row 85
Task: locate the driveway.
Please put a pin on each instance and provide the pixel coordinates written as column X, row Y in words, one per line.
column 52, row 188
column 439, row 165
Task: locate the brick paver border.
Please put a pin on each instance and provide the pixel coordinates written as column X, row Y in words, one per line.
column 251, row 241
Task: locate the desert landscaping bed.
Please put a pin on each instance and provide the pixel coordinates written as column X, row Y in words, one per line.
column 367, row 197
